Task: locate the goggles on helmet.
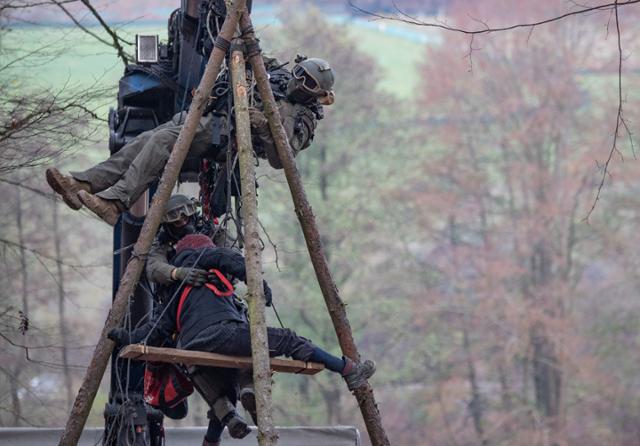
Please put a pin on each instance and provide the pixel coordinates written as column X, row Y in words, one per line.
column 175, row 214
column 307, row 80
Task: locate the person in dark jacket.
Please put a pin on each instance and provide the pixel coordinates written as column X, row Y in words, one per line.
column 181, row 218
column 113, row 186
column 206, row 320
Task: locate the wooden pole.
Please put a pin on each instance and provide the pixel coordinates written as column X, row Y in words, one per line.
column 267, row 434
column 102, row 353
column 364, row 395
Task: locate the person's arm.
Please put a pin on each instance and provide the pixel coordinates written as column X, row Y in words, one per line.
column 230, row 262
column 299, row 123
column 158, row 268
column 226, row 260
column 262, row 137
column 155, row 331
column 292, row 116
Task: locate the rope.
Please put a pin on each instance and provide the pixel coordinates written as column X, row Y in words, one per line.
column 276, row 313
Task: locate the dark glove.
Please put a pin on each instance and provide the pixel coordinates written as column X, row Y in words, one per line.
column 267, row 293
column 258, row 120
column 119, row 335
column 191, row 276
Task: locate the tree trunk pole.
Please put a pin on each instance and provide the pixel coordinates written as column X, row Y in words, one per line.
column 364, row 395
column 95, row 371
column 267, row 434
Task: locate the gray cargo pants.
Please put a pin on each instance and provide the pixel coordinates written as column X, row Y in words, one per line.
column 129, row 172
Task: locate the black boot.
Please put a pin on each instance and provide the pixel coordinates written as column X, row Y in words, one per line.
column 248, row 401
column 236, row 425
column 226, row 413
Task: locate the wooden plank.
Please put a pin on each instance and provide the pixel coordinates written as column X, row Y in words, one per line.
column 189, row 357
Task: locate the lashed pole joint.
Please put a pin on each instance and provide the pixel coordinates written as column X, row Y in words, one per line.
column 102, row 353
column 364, row 395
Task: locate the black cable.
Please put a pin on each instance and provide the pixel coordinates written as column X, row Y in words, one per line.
column 276, row 313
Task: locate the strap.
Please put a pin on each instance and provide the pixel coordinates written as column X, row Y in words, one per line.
column 253, row 48
column 187, row 289
column 222, row 43
column 183, row 297
column 224, row 281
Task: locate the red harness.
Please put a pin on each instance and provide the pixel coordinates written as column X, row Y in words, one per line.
column 187, row 289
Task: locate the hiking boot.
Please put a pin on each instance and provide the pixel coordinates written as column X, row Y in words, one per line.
column 356, row 374
column 107, row 210
column 236, row 425
column 67, row 187
column 248, row 401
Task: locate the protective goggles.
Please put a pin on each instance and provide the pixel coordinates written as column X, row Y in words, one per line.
column 173, row 215
column 309, row 83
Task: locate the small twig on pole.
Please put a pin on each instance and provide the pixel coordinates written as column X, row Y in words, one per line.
column 131, row 276
column 267, row 434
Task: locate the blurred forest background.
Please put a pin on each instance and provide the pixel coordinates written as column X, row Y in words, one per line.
column 452, row 181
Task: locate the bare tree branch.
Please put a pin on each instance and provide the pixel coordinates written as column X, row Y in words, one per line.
column 116, row 40
column 48, row 257
column 27, row 5
column 620, row 121
column 487, row 30
column 60, row 5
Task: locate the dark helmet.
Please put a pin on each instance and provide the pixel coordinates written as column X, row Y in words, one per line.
column 177, row 207
column 312, row 78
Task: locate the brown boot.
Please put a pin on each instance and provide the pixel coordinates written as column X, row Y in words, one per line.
column 67, row 186
column 107, row 210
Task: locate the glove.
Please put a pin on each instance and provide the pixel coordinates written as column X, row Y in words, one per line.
column 267, row 293
column 258, row 120
column 191, row 276
column 120, row 336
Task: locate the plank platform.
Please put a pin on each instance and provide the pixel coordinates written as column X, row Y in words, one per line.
column 142, row 352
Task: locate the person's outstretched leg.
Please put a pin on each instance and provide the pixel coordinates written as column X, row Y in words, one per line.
column 142, row 171
column 354, row 373
column 97, row 178
column 146, row 168
column 285, row 342
column 107, row 173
